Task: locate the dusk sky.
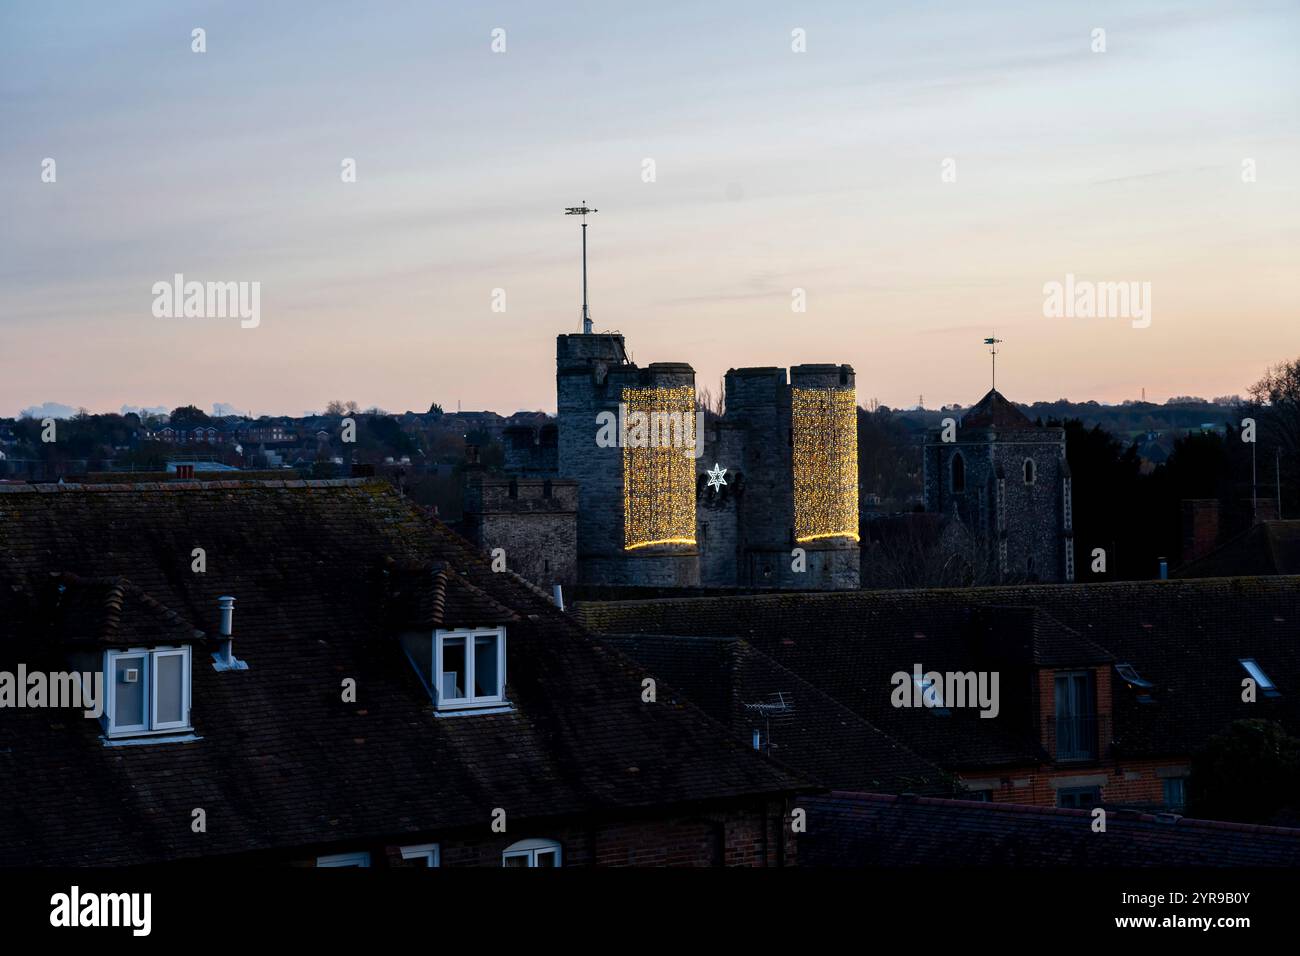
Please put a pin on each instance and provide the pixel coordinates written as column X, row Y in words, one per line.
column 774, row 170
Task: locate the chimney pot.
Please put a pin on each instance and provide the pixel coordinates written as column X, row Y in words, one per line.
column 227, row 606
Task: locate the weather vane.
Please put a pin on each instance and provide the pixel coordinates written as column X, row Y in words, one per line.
column 993, row 344
column 582, row 211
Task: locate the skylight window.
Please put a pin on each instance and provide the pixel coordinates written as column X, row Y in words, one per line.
column 1132, row 677
column 931, row 694
column 148, row 691
column 1262, row 680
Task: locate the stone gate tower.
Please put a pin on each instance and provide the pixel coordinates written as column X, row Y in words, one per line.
column 789, row 517
column 636, row 497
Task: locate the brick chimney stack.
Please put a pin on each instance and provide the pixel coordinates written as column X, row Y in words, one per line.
column 1200, row 527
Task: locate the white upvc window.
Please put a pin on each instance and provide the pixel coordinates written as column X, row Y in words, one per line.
column 423, row 854
column 344, row 859
column 469, row 668
column 531, row 853
column 148, row 691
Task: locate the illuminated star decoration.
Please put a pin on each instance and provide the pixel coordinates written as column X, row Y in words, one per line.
column 715, row 477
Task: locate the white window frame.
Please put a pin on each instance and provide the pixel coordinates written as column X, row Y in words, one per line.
column 431, row 853
column 111, row 659
column 529, row 850
column 147, row 657
column 469, row 635
column 183, row 724
column 360, row 859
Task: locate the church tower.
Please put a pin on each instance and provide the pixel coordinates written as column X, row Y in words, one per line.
column 1008, row 482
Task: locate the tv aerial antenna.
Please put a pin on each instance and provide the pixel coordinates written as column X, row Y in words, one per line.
column 777, row 708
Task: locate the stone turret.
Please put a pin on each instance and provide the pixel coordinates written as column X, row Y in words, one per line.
column 636, row 504
column 789, row 515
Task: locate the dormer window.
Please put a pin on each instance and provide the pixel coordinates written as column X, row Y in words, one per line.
column 148, row 691
column 469, row 668
column 427, row 855
column 463, row 669
column 531, row 853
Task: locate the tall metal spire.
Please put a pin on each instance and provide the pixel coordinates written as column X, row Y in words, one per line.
column 993, row 344
column 582, row 211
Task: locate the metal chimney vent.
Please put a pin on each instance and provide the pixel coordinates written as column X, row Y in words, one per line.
column 224, row 659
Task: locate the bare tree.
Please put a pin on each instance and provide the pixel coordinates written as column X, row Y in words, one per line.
column 1277, row 397
column 1274, row 403
column 927, row 551
column 713, row 404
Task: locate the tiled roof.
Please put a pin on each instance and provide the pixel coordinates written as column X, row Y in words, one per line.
column 110, row 611
column 1185, row 637
column 436, row 596
column 282, row 761
column 1268, row 547
column 850, row 652
column 819, row 738
column 1029, row 634
column 994, row 411
column 857, row 829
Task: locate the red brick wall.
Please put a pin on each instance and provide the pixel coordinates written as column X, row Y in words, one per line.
column 1122, row 781
column 1200, row 527
column 1127, row 782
